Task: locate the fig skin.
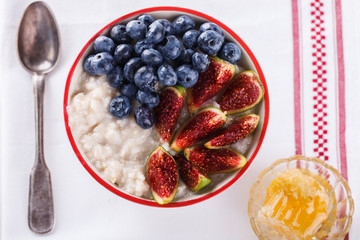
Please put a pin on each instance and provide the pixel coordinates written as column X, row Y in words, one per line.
column 194, row 179
column 244, row 92
column 210, row 83
column 205, row 122
column 211, row 161
column 239, row 129
column 168, row 111
column 162, row 175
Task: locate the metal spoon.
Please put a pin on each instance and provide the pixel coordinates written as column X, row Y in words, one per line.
column 38, row 47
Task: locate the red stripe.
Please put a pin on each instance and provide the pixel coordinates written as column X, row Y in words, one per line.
column 340, row 78
column 341, row 90
column 320, row 106
column 297, row 79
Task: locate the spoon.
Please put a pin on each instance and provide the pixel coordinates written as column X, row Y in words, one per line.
column 38, row 47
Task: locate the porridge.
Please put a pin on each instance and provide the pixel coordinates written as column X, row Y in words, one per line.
column 118, row 148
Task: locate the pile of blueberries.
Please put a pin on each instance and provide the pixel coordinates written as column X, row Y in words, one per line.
column 142, row 53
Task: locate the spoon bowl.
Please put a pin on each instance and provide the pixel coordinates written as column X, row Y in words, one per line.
column 38, row 39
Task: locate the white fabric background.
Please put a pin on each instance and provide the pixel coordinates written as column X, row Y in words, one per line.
column 85, row 209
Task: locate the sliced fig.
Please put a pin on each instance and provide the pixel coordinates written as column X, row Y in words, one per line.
column 168, row 111
column 194, row 179
column 242, row 93
column 239, row 129
column 210, row 161
column 205, row 122
column 162, row 175
column 210, row 83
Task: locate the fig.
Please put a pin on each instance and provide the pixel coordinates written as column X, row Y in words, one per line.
column 205, row 122
column 194, row 179
column 239, row 129
column 210, row 161
column 162, row 175
column 168, row 111
column 242, row 93
column 210, row 83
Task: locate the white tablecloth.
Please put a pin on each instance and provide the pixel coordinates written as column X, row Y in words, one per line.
column 283, row 36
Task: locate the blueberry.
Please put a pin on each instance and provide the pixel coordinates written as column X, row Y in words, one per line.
column 168, row 27
column 185, row 56
column 131, row 67
column 119, row 35
column 167, row 75
column 87, row 66
column 230, row 52
column 141, row 45
column 129, row 90
column 116, row 77
column 171, row 48
column 104, row 44
column 136, row 29
column 211, row 26
column 155, row 33
column 187, row 77
column 183, row 23
column 144, row 117
column 145, row 78
column 122, row 53
column 148, row 99
column 210, row 42
column 151, row 57
column 200, row 62
column 146, row 19
column 120, row 107
column 102, row 63
column 190, row 38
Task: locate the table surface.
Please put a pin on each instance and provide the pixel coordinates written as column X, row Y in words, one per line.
column 309, row 53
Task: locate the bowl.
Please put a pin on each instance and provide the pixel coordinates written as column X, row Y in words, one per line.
column 248, row 62
column 342, row 217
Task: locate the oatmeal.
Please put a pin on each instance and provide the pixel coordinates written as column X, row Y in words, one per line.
column 118, row 148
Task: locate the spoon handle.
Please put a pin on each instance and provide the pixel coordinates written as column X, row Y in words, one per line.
column 41, row 207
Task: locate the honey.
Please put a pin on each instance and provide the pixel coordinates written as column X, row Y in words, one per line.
column 298, row 203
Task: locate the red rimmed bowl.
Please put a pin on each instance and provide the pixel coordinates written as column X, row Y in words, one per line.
column 247, row 62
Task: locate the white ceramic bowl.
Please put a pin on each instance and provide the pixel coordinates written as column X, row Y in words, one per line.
column 248, row 62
